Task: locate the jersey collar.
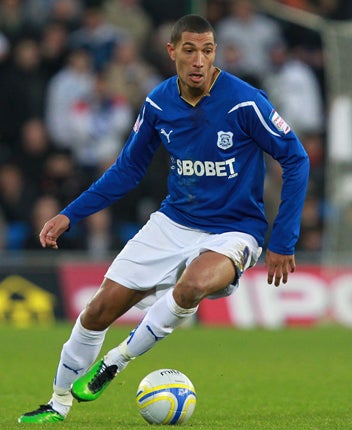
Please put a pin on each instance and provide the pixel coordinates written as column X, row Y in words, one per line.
column 217, row 74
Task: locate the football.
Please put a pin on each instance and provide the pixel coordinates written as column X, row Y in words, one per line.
column 166, row 396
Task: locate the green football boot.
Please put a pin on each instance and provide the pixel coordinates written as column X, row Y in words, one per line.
column 44, row 414
column 91, row 385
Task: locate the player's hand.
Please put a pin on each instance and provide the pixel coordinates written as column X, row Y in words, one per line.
column 279, row 266
column 52, row 230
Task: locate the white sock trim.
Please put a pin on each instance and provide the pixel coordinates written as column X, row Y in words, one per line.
column 95, row 337
column 175, row 308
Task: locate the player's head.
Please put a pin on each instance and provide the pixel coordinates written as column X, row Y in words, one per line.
column 192, row 47
column 192, row 24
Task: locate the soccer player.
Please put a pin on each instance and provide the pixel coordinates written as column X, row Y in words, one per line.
column 209, row 229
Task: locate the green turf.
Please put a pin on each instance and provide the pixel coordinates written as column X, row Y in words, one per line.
column 293, row 379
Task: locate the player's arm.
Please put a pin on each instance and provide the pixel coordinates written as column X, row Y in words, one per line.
column 275, row 137
column 124, row 175
column 117, row 181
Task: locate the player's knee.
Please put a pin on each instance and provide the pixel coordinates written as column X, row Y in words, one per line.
column 97, row 316
column 189, row 293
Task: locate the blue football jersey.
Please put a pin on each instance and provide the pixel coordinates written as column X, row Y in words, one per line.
column 217, row 165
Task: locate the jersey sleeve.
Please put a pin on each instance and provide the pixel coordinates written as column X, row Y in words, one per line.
column 275, row 137
column 124, row 175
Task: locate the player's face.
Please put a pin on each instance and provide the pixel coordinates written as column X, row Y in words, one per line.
column 194, row 57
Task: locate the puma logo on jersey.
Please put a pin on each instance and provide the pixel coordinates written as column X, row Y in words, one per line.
column 167, row 135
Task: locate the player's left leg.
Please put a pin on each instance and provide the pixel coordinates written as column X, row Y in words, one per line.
column 208, row 273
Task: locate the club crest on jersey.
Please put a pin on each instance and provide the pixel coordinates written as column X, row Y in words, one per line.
column 279, row 122
column 225, row 139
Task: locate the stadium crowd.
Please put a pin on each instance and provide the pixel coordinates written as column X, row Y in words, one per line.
column 73, row 75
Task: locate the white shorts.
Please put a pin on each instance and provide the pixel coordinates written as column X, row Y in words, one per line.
column 158, row 254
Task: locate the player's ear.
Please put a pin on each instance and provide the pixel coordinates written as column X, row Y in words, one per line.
column 171, row 50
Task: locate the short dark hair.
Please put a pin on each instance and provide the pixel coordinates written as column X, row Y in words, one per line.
column 193, row 24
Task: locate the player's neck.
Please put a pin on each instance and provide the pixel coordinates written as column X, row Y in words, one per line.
column 194, row 95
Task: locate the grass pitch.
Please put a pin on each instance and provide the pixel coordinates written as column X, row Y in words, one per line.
column 291, row 379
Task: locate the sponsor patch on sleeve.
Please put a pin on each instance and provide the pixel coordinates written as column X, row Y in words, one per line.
column 279, row 122
column 139, row 121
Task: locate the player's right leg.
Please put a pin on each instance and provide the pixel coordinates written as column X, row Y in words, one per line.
column 82, row 348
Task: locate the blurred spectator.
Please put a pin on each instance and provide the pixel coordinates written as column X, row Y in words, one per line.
column 16, row 194
column 97, row 36
column 29, row 75
column 5, row 132
column 306, row 42
column 311, row 237
column 36, row 12
column 53, row 48
column 130, row 76
column 215, row 10
column 100, row 239
column 22, row 88
column 72, row 83
column 32, row 150
column 99, row 125
column 129, row 15
column 67, row 13
column 295, row 92
column 44, row 208
column 13, row 22
column 157, row 54
column 62, row 178
column 163, row 11
column 230, row 58
column 40, row 13
column 16, row 197
column 252, row 35
column 311, row 240
column 312, row 212
column 314, row 145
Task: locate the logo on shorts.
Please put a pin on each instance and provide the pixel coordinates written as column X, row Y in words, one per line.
column 244, row 258
column 225, row 139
